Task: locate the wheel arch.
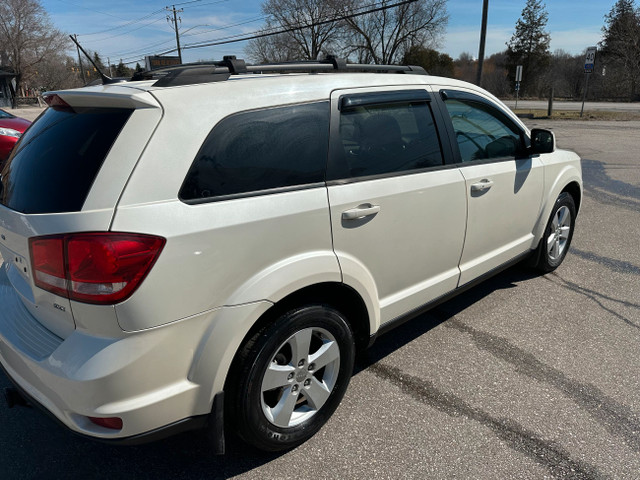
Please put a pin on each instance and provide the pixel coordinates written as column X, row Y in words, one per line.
column 333, row 294
column 575, row 191
column 567, row 180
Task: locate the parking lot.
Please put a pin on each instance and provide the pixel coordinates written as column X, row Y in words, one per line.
column 524, row 376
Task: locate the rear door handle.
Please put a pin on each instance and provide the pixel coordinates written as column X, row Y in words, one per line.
column 361, row 211
column 481, row 186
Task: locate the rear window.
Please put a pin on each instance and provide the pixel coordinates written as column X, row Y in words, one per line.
column 56, row 161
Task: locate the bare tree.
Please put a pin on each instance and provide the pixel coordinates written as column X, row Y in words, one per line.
column 272, row 49
column 57, row 72
column 27, row 37
column 495, row 77
column 465, row 67
column 384, row 36
column 308, row 30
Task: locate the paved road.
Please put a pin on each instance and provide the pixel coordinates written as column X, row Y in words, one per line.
column 522, row 377
column 30, row 112
column 576, row 106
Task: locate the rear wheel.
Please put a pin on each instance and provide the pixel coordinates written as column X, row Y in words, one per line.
column 290, row 377
column 555, row 242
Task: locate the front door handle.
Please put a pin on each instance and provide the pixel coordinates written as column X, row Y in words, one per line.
column 361, row 211
column 481, row 186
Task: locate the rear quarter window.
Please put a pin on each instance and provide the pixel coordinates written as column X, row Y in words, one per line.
column 259, row 151
column 54, row 165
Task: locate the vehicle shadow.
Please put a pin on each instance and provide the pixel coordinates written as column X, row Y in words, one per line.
column 408, row 332
column 33, row 446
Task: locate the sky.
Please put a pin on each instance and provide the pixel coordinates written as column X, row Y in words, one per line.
column 129, row 30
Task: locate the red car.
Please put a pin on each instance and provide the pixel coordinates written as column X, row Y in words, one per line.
column 11, row 128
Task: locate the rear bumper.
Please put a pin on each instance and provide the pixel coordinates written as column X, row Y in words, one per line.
column 131, row 378
column 149, row 379
column 214, row 421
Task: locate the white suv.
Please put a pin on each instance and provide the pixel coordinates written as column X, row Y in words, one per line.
column 213, row 246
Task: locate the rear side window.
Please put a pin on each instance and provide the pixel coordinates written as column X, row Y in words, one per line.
column 258, row 151
column 58, row 158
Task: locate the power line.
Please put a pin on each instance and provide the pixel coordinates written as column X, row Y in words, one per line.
column 98, row 40
column 201, row 4
column 295, row 28
column 223, row 27
column 90, row 9
column 163, row 42
column 257, row 34
column 124, row 25
column 149, row 24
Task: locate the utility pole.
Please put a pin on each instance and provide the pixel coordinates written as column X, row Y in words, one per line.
column 79, row 59
column 483, row 39
column 174, row 21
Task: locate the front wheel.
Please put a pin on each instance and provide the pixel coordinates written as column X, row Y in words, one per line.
column 290, row 377
column 554, row 245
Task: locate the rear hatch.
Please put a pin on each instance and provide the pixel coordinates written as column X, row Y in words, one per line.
column 65, row 175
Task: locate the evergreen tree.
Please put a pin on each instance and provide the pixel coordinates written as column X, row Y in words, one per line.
column 621, row 44
column 98, row 61
column 122, row 70
column 529, row 45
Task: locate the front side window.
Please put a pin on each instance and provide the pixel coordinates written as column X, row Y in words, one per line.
column 388, row 138
column 482, row 132
column 261, row 150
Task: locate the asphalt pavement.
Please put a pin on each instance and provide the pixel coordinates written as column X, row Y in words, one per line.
column 30, row 112
column 524, row 376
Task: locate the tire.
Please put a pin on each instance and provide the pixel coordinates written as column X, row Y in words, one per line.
column 289, row 378
column 556, row 240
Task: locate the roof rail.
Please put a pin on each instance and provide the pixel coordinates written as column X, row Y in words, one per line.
column 207, row 72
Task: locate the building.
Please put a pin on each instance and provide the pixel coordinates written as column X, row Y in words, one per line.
column 7, row 90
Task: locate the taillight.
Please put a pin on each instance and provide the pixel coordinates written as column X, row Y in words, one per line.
column 102, row 267
column 47, row 263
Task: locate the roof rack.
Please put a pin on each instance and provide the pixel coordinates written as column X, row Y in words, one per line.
column 207, row 72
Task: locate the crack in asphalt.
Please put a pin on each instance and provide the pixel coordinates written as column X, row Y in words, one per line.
column 593, row 295
column 551, row 455
column 616, row 418
column 618, row 266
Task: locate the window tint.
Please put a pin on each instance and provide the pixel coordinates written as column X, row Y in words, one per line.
column 397, row 137
column 261, row 150
column 482, row 132
column 57, row 159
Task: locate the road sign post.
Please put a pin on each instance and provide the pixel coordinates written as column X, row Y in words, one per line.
column 518, row 81
column 589, row 63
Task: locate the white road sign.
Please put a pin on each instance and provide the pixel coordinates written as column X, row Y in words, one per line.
column 590, row 59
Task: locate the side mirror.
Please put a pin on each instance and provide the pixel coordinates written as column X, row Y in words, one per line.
column 542, row 141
